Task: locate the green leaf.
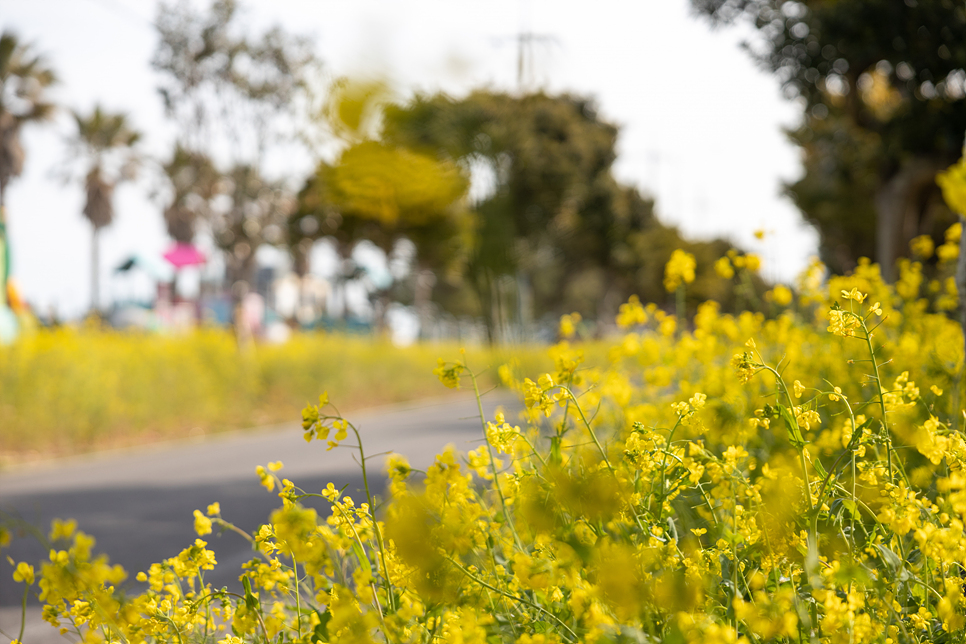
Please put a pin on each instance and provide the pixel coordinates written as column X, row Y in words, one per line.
column 817, row 464
column 791, row 426
column 361, row 556
column 321, row 631
column 890, row 559
column 251, row 601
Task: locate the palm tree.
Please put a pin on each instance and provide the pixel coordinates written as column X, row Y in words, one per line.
column 104, row 143
column 24, row 79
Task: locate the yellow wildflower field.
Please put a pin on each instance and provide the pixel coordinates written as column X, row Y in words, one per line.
column 731, row 479
column 73, row 390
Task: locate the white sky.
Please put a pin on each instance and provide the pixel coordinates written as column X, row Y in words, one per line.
column 701, row 125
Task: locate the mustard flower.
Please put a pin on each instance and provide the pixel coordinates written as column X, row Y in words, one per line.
column 723, row 268
column 202, row 524
column 631, row 313
column 449, row 373
column 953, row 184
column 679, row 270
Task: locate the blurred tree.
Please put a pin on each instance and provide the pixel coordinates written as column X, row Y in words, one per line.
column 195, row 182
column 234, row 99
column 255, row 213
column 883, row 85
column 24, row 80
column 555, row 231
column 384, row 193
column 231, row 95
column 104, row 145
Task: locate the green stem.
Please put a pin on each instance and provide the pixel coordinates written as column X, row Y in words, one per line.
column 258, row 616
column 298, row 598
column 882, row 408
column 375, row 524
column 515, row 598
column 496, row 475
column 660, row 509
column 603, row 454
column 791, row 411
column 23, row 612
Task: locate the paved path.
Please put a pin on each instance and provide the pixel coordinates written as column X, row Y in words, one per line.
column 138, row 503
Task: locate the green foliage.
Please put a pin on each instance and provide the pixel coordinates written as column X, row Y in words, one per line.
column 883, row 85
column 25, row 78
column 553, row 230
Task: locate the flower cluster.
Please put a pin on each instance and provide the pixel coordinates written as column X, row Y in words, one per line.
column 679, row 270
column 735, row 479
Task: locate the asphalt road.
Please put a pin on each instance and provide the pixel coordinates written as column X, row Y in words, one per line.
column 139, row 503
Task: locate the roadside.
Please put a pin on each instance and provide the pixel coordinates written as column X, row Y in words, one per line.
column 69, row 391
column 138, row 503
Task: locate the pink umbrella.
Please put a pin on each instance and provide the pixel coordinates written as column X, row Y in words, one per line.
column 182, row 255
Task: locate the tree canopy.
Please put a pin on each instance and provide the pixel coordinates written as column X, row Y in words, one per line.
column 233, row 97
column 104, row 146
column 883, row 86
column 24, row 81
column 547, row 228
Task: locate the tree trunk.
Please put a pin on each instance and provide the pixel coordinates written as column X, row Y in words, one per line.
column 425, row 280
column 898, row 212
column 483, row 285
column 95, row 264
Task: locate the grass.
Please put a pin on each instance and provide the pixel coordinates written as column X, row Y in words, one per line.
column 70, row 390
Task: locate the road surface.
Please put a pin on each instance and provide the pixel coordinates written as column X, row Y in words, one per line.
column 139, row 503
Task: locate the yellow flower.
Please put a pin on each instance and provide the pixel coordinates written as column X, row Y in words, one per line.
column 202, row 524
column 214, row 509
column 752, row 262
column 24, row 573
column 568, row 325
column 397, row 466
column 679, row 270
column 449, row 373
column 62, row 529
column 798, row 388
column 953, row 184
column 854, row 294
column 948, row 252
column 631, row 313
column 267, row 480
column 781, row 295
column 697, row 401
column 954, row 233
column 922, row 246
column 723, row 268
column 842, row 323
